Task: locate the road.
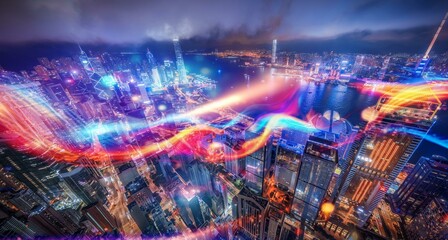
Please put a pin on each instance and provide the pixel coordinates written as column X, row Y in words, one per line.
column 118, row 204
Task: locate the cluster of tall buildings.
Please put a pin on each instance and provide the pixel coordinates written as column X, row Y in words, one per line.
column 298, row 185
column 104, row 100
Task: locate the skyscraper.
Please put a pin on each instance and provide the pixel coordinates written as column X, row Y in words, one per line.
column 180, row 62
column 100, row 218
column 359, row 61
column 249, row 214
column 200, row 176
column 151, row 60
column 83, row 184
column 431, row 222
column 37, row 174
column 46, row 221
column 274, row 51
column 256, row 165
column 428, row 180
column 281, row 178
column 385, row 150
column 423, row 63
column 318, row 164
column 11, row 228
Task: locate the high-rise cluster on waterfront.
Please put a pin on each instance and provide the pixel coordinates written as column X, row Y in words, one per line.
column 331, row 182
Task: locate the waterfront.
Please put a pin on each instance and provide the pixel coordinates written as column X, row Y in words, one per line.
column 349, row 102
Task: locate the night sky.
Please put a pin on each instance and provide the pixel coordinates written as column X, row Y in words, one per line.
column 309, row 26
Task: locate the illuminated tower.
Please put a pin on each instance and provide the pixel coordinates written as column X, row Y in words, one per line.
column 83, row 184
column 358, row 64
column 281, row 178
column 385, row 149
column 250, row 210
column 180, row 61
column 382, row 73
column 319, row 161
column 423, row 63
column 428, row 179
column 151, row 59
column 84, row 59
column 274, row 51
column 431, row 222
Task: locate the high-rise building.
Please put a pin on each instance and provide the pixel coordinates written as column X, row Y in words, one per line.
column 151, row 60
column 192, row 212
column 338, row 130
column 431, row 222
column 359, row 61
column 85, row 186
column 26, row 201
column 11, row 228
column 428, row 180
column 423, row 63
column 272, row 222
column 319, row 162
column 250, row 210
column 140, row 217
column 37, row 174
column 180, row 62
column 383, row 70
column 101, row 219
column 256, row 166
column 84, row 59
column 157, row 82
column 200, row 176
column 281, row 178
column 274, row 51
column 46, row 221
column 386, row 148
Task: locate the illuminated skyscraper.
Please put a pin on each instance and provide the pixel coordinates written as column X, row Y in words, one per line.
column 46, row 221
column 180, row 61
column 318, row 164
column 83, row 184
column 249, row 214
column 338, row 130
column 385, row 150
column 200, row 176
column 256, row 165
column 151, row 60
column 382, row 73
column 431, row 222
column 35, row 173
column 100, row 217
column 157, row 83
column 281, row 178
column 84, row 59
column 358, row 63
column 423, row 63
column 428, row 179
column 274, row 51
column 11, row 228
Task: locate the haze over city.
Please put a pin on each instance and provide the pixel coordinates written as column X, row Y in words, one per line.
column 270, row 120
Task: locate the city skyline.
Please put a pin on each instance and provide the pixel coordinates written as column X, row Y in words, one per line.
column 264, row 120
column 365, row 25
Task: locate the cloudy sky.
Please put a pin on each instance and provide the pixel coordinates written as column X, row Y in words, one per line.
column 222, row 22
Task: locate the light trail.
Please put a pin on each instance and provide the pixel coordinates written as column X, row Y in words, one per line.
column 31, row 124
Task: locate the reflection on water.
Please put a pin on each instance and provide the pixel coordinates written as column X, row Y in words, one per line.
column 349, row 102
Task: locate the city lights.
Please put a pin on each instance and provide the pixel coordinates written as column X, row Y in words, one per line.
column 270, row 120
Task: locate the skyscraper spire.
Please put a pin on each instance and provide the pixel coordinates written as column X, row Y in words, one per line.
column 274, row 51
column 435, row 36
column 180, row 61
column 423, row 63
column 80, row 49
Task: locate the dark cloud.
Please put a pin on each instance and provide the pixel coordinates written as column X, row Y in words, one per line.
column 217, row 23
